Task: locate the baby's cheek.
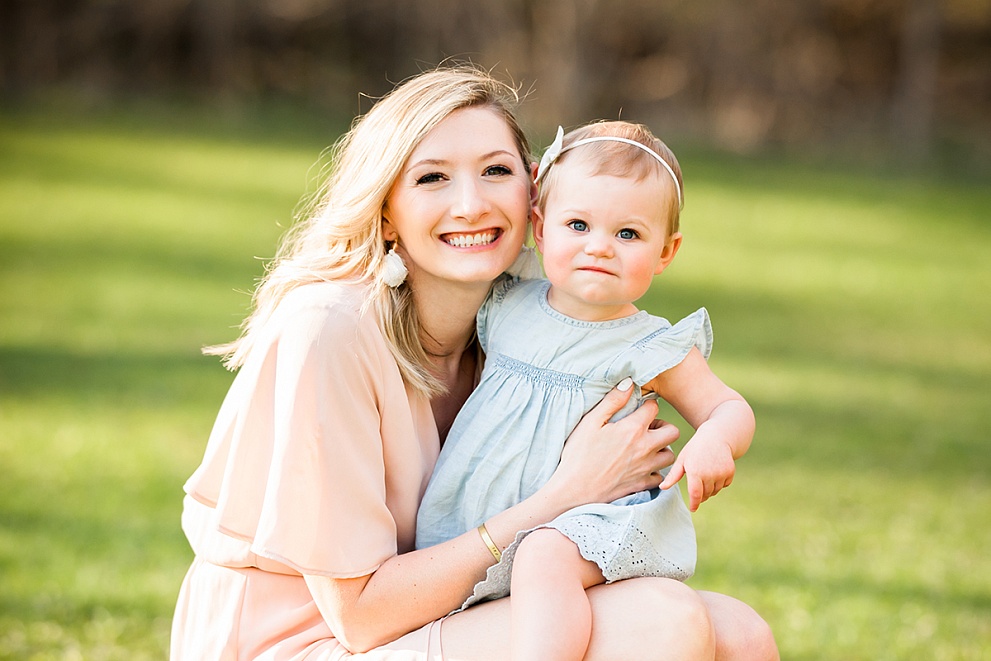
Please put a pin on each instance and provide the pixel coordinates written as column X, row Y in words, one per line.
column 554, row 265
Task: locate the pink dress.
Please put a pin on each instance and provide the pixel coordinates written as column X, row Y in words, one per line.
column 316, row 464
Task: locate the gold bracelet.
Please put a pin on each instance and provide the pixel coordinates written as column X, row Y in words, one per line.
column 487, row 538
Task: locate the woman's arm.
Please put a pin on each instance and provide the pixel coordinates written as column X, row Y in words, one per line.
column 602, row 461
column 723, row 421
column 404, row 593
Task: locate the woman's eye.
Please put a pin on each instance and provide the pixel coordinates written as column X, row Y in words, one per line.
column 498, row 170
column 578, row 225
column 431, row 178
column 628, row 234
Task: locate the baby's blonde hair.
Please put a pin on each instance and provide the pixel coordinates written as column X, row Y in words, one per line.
column 619, row 159
column 339, row 236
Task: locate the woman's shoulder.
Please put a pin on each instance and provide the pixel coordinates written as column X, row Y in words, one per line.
column 339, row 295
column 325, row 308
column 322, row 329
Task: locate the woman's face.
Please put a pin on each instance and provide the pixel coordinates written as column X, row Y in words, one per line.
column 459, row 207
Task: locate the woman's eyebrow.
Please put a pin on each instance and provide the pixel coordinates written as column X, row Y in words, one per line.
column 442, row 161
column 427, row 161
column 497, row 152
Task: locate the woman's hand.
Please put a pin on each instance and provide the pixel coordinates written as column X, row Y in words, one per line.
column 603, row 460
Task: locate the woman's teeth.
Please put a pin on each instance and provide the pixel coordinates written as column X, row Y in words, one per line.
column 470, row 240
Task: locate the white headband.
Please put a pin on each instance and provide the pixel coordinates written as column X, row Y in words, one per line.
column 554, row 152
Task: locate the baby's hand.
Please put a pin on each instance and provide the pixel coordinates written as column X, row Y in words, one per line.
column 709, row 465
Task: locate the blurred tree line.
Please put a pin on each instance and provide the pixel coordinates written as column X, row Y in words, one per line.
column 909, row 74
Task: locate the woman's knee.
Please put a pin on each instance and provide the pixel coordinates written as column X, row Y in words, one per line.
column 661, row 617
column 762, row 641
column 681, row 605
column 741, row 633
column 754, row 642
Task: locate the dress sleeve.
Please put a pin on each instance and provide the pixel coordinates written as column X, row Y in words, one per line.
column 489, row 311
column 664, row 348
column 304, row 472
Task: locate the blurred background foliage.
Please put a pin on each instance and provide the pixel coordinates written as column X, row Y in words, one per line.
column 906, row 78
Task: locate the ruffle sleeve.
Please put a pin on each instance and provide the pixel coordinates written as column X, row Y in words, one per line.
column 295, row 465
column 488, row 314
column 664, row 348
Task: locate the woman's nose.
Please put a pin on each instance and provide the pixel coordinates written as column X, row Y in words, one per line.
column 469, row 201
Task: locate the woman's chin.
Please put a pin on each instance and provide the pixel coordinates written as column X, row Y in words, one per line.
column 483, row 266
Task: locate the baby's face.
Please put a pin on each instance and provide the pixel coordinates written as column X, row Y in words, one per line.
column 603, row 239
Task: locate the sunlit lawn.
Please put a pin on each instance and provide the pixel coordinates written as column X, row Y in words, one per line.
column 851, row 308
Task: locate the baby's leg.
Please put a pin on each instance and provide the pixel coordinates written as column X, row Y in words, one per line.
column 551, row 616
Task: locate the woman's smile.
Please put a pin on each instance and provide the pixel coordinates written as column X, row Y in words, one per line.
column 471, row 239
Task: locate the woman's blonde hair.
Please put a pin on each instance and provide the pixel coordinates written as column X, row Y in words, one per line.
column 339, row 235
column 621, row 160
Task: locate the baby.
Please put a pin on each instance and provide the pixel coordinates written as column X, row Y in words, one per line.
column 606, row 222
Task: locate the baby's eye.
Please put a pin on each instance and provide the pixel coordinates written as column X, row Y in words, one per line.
column 431, row 178
column 498, row 170
column 628, row 234
column 578, row 225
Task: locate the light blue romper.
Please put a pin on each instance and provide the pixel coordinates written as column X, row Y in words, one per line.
column 543, row 372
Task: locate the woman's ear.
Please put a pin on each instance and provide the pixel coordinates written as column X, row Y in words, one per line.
column 668, row 252
column 389, row 232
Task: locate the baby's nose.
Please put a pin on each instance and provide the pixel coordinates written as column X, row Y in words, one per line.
column 598, row 246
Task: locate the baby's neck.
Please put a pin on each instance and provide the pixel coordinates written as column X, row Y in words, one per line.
column 583, row 309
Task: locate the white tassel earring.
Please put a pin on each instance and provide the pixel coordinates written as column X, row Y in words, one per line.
column 394, row 272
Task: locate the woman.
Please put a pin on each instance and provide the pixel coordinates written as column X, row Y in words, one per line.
column 302, row 513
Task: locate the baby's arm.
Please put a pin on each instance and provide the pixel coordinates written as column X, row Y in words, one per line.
column 723, row 422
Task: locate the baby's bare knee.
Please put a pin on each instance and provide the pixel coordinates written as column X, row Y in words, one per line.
column 545, row 546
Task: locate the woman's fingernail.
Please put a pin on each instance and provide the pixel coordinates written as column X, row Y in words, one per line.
column 625, row 384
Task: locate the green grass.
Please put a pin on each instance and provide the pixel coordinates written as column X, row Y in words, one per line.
column 850, row 307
